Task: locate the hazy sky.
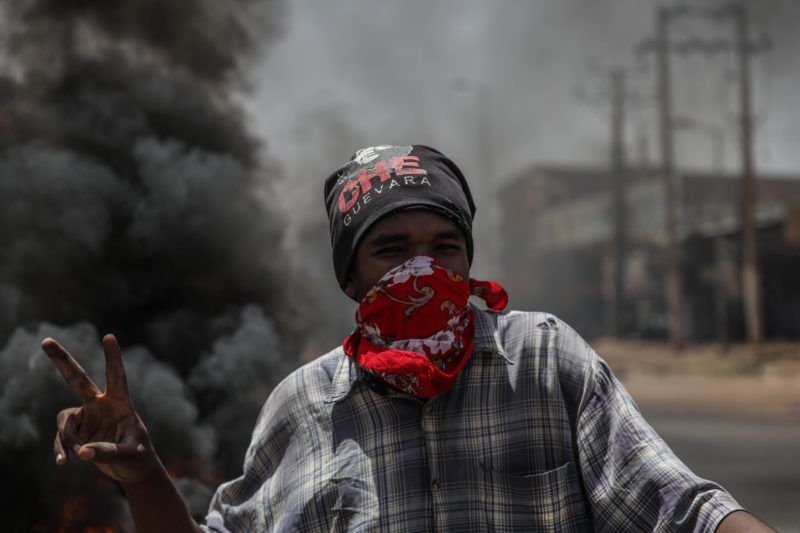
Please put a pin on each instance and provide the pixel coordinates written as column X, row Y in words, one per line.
column 352, row 73
column 390, row 71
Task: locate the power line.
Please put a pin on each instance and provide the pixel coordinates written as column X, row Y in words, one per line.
column 744, row 47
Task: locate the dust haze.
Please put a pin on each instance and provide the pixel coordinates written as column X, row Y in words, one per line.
column 161, row 173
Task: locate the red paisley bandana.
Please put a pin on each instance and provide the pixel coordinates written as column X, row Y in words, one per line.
column 415, row 328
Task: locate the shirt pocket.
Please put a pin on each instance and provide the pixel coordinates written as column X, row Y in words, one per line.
column 551, row 500
column 355, row 499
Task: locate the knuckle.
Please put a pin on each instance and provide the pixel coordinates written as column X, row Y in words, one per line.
column 69, row 432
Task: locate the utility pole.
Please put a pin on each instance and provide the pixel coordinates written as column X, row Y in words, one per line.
column 617, row 95
column 743, row 48
column 750, row 277
column 721, row 285
column 483, row 117
column 619, row 204
column 485, row 182
column 673, row 260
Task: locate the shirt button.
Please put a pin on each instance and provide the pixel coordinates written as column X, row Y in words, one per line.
column 435, row 485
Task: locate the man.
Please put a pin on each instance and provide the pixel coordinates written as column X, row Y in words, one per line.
column 433, row 414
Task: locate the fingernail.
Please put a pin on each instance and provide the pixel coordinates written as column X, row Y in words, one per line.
column 60, row 458
column 87, row 453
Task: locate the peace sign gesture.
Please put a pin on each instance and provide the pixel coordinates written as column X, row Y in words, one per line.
column 105, row 429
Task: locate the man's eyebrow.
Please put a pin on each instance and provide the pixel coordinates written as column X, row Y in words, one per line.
column 450, row 234
column 388, row 238
column 393, row 238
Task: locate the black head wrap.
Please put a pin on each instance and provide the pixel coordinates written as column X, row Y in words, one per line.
column 381, row 180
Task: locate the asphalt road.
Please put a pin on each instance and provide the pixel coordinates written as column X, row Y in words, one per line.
column 755, row 459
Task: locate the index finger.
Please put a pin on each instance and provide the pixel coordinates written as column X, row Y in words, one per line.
column 75, row 376
column 116, row 382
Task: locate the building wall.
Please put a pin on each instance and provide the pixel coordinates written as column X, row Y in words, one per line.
column 557, row 254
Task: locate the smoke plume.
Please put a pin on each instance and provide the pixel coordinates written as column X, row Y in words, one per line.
column 133, row 200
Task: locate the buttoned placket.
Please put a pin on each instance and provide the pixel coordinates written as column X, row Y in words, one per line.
column 430, row 433
column 428, row 429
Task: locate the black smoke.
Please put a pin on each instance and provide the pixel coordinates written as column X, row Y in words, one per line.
column 133, row 199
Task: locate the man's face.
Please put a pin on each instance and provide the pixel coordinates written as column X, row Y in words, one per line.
column 396, row 238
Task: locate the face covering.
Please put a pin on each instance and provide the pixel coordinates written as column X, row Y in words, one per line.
column 415, row 329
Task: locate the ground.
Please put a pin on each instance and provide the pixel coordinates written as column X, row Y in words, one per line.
column 733, row 417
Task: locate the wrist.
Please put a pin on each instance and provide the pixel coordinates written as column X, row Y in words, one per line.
column 151, row 474
column 156, row 504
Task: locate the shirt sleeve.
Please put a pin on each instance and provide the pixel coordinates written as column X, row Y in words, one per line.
column 239, row 505
column 632, row 480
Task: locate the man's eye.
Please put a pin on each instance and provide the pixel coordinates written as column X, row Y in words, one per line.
column 390, row 250
column 449, row 247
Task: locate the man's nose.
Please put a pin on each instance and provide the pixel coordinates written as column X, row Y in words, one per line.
column 426, row 250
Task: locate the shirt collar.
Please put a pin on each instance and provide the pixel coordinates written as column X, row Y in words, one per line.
column 487, row 331
column 345, row 375
column 487, row 339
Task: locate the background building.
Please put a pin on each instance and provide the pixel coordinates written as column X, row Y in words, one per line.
column 558, row 246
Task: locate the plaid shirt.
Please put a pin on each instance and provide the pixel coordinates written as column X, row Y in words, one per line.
column 536, row 434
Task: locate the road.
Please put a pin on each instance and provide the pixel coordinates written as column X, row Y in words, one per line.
column 732, row 417
column 755, row 459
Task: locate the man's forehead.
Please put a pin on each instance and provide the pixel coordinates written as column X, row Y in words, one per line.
column 414, row 222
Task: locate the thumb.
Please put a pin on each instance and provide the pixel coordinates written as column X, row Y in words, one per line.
column 110, row 452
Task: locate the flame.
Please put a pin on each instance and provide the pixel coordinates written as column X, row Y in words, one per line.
column 181, row 467
column 75, row 514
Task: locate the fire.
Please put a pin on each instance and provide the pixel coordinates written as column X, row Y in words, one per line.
column 181, row 467
column 93, row 509
column 74, row 512
column 75, row 515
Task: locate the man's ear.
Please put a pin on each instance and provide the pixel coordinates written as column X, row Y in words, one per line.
column 350, row 288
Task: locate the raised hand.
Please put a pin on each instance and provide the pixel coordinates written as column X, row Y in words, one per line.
column 105, row 429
